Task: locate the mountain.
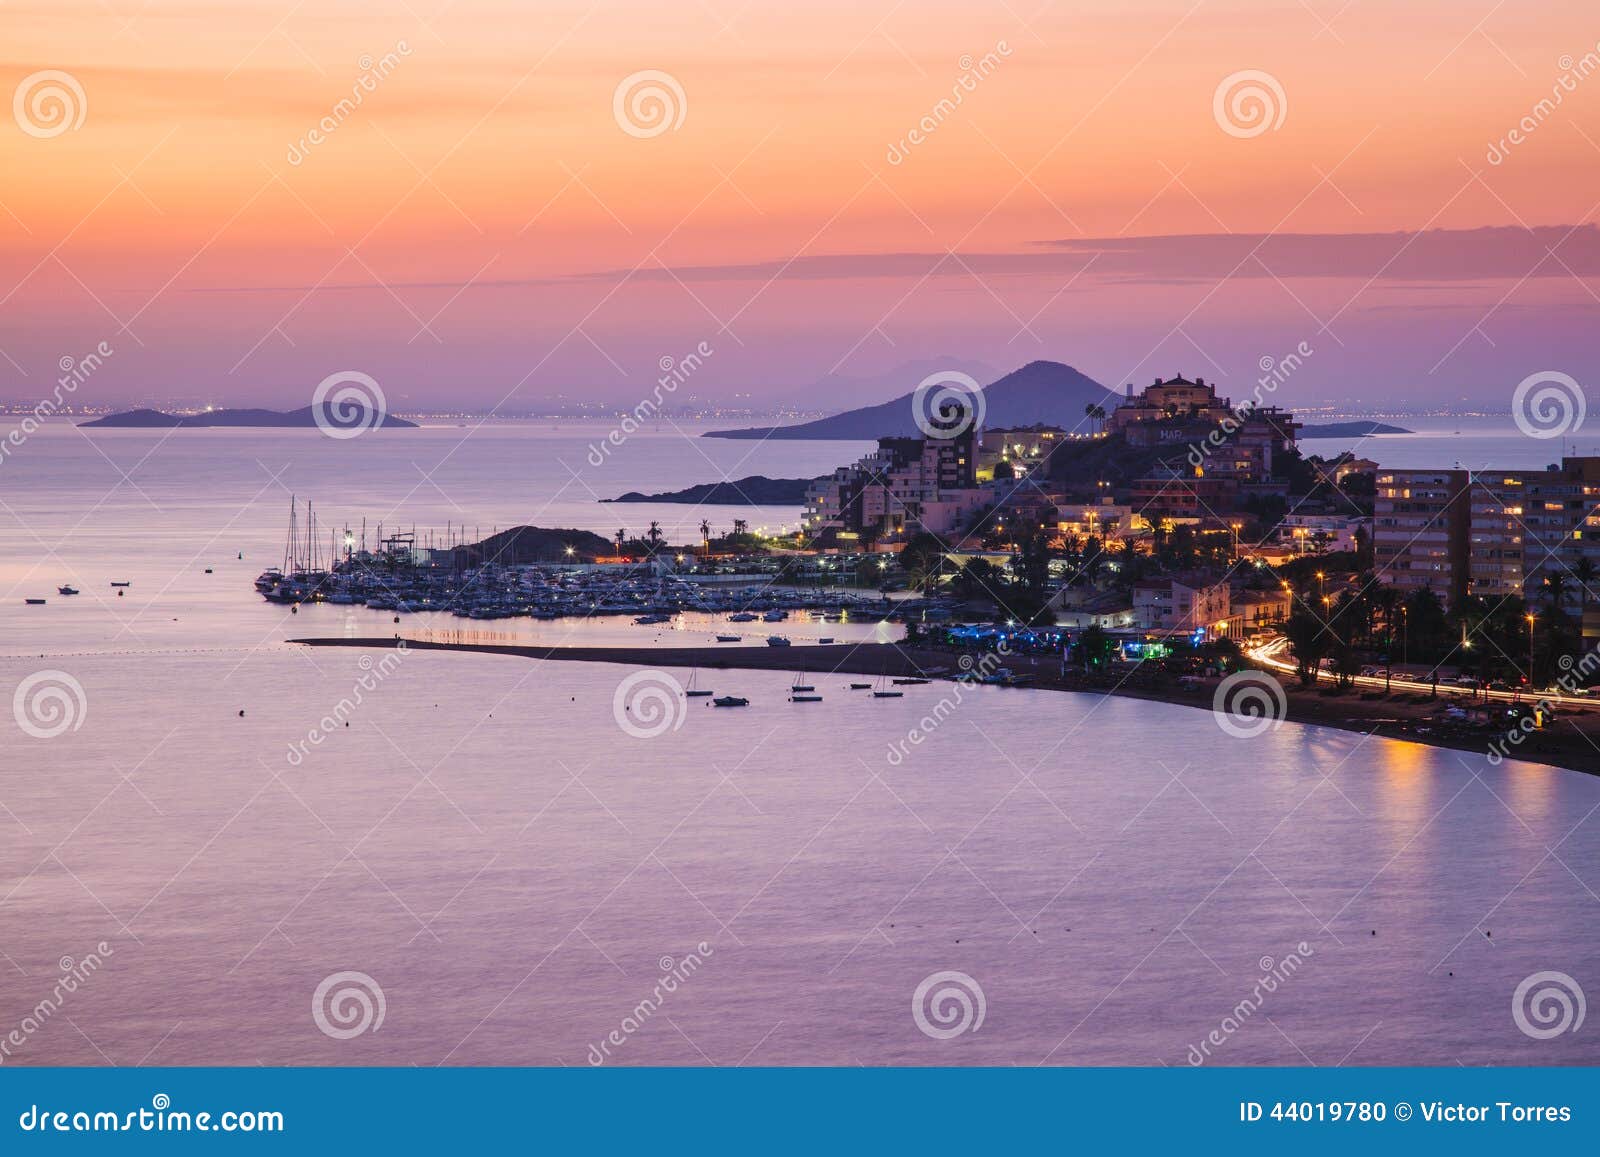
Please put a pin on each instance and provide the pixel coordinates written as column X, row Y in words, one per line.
column 1040, row 392
column 756, row 490
column 834, row 392
column 158, row 420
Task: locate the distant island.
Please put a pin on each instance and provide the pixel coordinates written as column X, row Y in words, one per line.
column 299, row 419
column 1351, row 430
column 756, row 490
column 1047, row 393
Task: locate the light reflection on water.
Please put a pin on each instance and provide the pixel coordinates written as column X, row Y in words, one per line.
column 486, row 842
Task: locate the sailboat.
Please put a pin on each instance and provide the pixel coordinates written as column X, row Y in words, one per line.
column 694, row 692
column 883, row 691
column 802, row 692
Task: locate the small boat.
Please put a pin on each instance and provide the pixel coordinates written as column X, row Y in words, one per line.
column 122, row 584
column 805, row 699
column 829, row 639
column 208, row 570
column 860, row 686
column 731, row 701
column 727, row 638
column 911, row 682
column 777, row 641
column 34, row 602
column 774, row 616
column 742, row 617
column 693, row 691
column 651, row 620
column 67, row 589
column 884, row 693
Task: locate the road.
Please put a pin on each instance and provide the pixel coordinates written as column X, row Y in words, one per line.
column 1273, row 655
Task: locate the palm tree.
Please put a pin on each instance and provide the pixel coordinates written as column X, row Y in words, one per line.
column 622, row 537
column 705, row 535
column 654, row 534
column 1555, row 588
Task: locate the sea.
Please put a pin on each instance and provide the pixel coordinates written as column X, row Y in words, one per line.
column 217, row 847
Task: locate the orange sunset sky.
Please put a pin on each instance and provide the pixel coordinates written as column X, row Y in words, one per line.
column 484, row 229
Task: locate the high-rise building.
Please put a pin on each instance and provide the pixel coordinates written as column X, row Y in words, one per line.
column 1420, row 530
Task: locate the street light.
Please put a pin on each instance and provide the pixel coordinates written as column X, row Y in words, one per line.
column 1530, row 649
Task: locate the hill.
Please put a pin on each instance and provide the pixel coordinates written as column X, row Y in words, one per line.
column 1039, row 392
column 524, row 545
column 159, row 420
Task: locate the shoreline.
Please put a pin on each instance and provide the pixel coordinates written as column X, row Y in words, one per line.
column 1564, row 745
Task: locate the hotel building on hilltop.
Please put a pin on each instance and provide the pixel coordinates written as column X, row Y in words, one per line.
column 1494, row 533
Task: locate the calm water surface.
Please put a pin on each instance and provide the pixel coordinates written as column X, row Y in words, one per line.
column 514, row 870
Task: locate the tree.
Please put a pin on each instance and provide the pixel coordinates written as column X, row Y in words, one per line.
column 1309, row 641
column 1094, row 647
column 705, row 536
column 921, row 558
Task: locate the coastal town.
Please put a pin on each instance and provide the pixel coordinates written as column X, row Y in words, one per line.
column 1172, row 538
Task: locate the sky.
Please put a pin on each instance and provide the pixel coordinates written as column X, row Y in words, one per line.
column 824, row 191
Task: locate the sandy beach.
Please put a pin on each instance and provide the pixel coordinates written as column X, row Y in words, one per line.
column 1571, row 740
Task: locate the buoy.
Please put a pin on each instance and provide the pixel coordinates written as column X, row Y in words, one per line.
column 294, row 610
column 241, row 713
